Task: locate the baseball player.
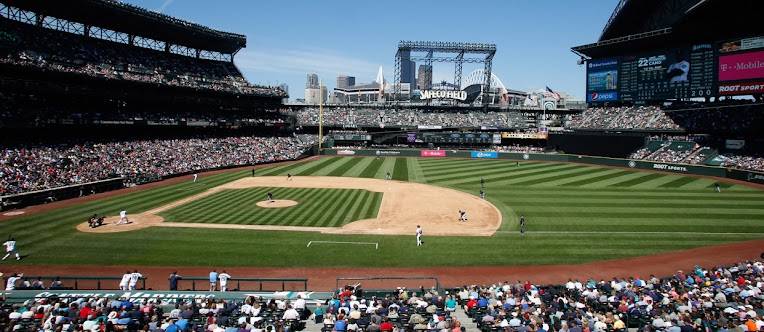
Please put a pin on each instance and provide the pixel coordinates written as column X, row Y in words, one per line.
column 717, row 187
column 388, row 176
column 522, row 224
column 11, row 283
column 123, row 218
column 10, row 248
column 463, row 215
column 289, row 176
column 270, row 197
column 223, row 277
column 196, row 176
column 419, row 236
column 134, row 277
column 125, row 282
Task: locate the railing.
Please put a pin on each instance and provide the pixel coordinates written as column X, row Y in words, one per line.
column 202, row 283
column 83, row 282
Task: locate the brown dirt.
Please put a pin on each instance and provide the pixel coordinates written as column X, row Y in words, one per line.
column 404, row 206
column 323, row 279
column 276, row 203
column 34, row 209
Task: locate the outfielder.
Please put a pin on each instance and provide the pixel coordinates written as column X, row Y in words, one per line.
column 419, row 236
column 10, row 248
column 522, row 224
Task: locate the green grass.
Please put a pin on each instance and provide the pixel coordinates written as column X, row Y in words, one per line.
column 575, row 214
column 317, row 207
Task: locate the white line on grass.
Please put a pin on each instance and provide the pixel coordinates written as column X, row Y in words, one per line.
column 375, row 244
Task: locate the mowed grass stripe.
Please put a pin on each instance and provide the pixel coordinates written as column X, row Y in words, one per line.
column 488, row 169
column 282, row 169
column 374, row 205
column 310, row 199
column 445, row 168
column 400, row 170
column 477, row 167
column 241, row 210
column 340, row 210
column 374, row 198
column 678, row 182
column 361, row 203
column 560, row 176
column 638, row 180
column 596, row 179
column 637, row 204
column 347, row 209
column 339, row 171
column 320, row 165
column 372, row 169
column 521, row 175
column 322, row 218
column 490, row 173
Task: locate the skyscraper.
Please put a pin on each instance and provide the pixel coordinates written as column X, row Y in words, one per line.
column 344, row 82
column 312, row 82
column 408, row 68
column 424, row 77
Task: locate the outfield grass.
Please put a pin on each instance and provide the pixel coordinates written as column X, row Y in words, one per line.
column 575, row 213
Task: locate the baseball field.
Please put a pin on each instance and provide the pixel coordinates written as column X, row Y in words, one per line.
column 342, row 213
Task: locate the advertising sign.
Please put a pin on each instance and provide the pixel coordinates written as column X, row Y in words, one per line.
column 411, row 137
column 345, row 152
column 432, row 153
column 602, row 80
column 484, row 154
column 741, row 66
column 745, row 88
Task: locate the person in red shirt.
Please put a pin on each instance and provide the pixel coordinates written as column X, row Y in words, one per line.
column 386, row 326
column 527, row 285
column 471, row 304
column 85, row 311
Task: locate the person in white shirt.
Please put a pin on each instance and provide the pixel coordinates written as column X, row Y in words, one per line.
column 10, row 248
column 134, row 277
column 123, row 217
column 419, row 236
column 196, row 176
column 11, row 283
column 123, row 284
column 223, row 277
column 290, row 314
column 299, row 303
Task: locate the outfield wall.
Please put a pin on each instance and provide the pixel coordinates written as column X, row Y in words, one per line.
column 743, row 175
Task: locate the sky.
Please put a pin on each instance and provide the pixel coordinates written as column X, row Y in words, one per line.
column 287, row 39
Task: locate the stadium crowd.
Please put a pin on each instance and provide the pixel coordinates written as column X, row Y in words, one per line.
column 24, row 169
column 623, row 118
column 716, row 299
column 342, row 116
column 26, row 45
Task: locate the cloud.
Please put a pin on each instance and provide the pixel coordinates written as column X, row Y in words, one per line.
column 327, row 64
column 164, row 5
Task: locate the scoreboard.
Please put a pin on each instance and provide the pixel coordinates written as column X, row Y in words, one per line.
column 679, row 73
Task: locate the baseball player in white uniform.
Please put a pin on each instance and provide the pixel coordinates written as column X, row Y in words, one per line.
column 223, row 277
column 196, row 176
column 10, row 248
column 134, row 277
column 11, row 283
column 123, row 217
column 125, row 282
column 419, row 236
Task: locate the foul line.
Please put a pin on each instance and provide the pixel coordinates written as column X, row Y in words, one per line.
column 375, row 244
column 621, row 232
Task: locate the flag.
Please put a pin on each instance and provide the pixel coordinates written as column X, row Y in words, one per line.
column 556, row 95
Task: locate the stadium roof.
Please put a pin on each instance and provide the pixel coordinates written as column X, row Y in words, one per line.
column 640, row 25
column 126, row 18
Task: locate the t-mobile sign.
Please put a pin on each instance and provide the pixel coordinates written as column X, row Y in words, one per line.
column 743, row 66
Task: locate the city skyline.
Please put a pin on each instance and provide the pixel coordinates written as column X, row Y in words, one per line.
column 288, row 40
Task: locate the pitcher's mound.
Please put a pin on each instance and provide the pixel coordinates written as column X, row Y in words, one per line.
column 277, row 203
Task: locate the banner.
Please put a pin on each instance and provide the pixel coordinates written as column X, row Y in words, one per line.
column 432, row 153
column 742, row 66
column 345, row 152
column 734, row 144
column 411, row 137
column 746, row 88
column 428, row 127
column 484, row 154
column 165, row 296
